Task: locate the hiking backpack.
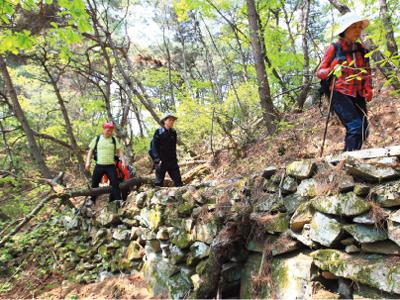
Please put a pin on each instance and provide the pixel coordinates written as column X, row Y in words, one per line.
column 341, row 56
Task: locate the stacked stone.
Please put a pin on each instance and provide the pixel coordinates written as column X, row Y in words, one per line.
column 305, row 240
column 342, row 243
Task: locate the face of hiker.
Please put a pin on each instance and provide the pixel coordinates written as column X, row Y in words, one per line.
column 169, row 123
column 353, row 32
column 107, row 132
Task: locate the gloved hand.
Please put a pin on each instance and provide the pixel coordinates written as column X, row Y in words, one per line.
column 334, row 63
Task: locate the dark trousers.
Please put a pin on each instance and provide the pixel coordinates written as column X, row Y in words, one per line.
column 109, row 170
column 173, row 170
column 124, row 193
column 352, row 112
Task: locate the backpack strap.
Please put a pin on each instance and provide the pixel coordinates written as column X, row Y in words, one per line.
column 95, row 147
column 115, row 144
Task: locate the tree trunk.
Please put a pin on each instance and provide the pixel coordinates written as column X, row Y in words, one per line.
column 19, row 113
column 68, row 126
column 7, row 146
column 305, row 12
column 387, row 23
column 166, row 46
column 262, row 78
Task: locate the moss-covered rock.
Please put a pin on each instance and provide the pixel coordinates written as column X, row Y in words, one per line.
column 371, row 173
column 185, row 208
column 205, row 232
column 277, row 244
column 376, row 271
column 383, row 247
column 387, row 195
column 324, row 230
column 304, row 236
column 366, row 234
column 134, row 251
column 302, row 216
column 108, row 215
column 361, row 190
column 151, row 218
column 182, row 239
column 301, row 169
column 394, row 231
column 179, row 286
column 199, row 250
column 292, row 202
column 341, row 204
column 289, row 185
column 307, row 188
column 269, row 202
column 290, row 275
column 177, row 255
column 363, row 292
column 278, row 223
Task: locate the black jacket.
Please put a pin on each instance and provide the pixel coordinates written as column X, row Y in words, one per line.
column 163, row 145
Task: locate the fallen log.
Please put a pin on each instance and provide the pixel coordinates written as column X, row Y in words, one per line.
column 107, row 189
column 365, row 154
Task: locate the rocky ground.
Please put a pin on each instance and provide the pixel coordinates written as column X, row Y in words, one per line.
column 310, row 230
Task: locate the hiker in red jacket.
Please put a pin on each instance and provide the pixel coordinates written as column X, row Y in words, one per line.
column 123, row 173
column 354, row 86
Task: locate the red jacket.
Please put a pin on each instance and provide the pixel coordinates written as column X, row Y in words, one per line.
column 362, row 82
column 120, row 171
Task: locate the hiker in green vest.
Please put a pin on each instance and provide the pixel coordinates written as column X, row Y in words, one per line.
column 105, row 150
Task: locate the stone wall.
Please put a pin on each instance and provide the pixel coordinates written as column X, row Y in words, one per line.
column 311, row 230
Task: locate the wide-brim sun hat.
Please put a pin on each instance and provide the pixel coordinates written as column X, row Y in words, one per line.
column 349, row 19
column 167, row 116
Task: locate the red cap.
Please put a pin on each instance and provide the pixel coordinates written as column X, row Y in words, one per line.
column 108, row 125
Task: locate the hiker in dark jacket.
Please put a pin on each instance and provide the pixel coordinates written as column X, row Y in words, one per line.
column 354, row 86
column 163, row 152
column 105, row 148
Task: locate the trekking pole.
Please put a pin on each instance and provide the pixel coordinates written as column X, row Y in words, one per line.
column 327, row 118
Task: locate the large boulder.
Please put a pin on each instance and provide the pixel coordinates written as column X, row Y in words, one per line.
column 325, row 230
column 374, row 270
column 341, row 204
